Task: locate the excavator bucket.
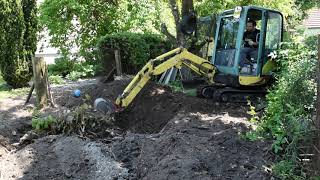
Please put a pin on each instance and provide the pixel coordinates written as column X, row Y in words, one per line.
column 105, row 106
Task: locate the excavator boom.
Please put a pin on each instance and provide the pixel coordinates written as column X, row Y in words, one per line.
column 175, row 58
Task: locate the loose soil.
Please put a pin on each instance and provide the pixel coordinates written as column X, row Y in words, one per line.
column 161, row 135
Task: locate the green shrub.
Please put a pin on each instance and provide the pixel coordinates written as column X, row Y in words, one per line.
column 56, row 79
column 288, row 117
column 63, row 66
column 287, row 170
column 72, row 70
column 135, row 49
column 87, row 70
column 311, row 42
column 18, row 27
column 43, row 123
column 81, row 70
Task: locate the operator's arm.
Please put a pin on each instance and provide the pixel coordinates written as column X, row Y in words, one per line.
column 175, row 58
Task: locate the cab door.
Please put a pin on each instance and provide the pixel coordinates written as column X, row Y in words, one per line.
column 273, row 39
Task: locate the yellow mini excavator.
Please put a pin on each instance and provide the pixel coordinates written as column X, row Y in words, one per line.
column 229, row 73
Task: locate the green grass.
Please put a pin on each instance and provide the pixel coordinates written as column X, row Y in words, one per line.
column 6, row 92
column 190, row 92
column 1, row 80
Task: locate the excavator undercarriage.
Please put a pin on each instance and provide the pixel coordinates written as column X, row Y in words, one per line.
column 222, row 93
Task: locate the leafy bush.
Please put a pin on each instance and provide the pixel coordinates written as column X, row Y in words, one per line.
column 311, row 42
column 135, row 49
column 288, row 117
column 72, row 70
column 81, row 70
column 63, row 66
column 18, row 27
column 56, row 79
column 43, row 123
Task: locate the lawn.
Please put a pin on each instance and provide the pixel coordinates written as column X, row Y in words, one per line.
column 6, row 92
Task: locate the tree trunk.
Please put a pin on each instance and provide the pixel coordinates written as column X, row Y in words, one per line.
column 187, row 7
column 317, row 146
column 40, row 73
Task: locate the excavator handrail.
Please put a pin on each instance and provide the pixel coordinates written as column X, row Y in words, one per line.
column 176, row 58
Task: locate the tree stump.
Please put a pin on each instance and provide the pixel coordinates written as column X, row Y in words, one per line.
column 40, row 73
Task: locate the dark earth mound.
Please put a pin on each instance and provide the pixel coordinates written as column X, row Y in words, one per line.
column 164, row 135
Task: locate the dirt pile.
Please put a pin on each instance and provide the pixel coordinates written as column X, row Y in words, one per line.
column 194, row 147
column 161, row 135
column 59, row 157
column 151, row 110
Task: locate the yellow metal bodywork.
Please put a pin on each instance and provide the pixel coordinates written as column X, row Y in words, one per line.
column 258, row 80
column 175, row 58
column 251, row 80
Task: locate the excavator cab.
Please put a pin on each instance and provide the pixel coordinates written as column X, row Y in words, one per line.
column 237, row 64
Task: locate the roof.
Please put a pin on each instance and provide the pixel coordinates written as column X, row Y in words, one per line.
column 313, row 20
column 228, row 11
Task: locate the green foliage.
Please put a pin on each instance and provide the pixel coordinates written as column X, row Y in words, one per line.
column 1, row 79
column 86, row 71
column 56, row 79
column 135, row 48
column 29, row 8
column 286, row 169
column 18, row 39
column 81, row 70
column 311, row 42
column 63, row 66
column 7, row 92
column 41, row 124
column 70, row 69
column 288, row 117
column 176, row 86
column 88, row 20
column 252, row 136
column 18, row 26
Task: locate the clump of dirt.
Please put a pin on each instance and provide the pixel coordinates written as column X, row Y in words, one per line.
column 60, row 157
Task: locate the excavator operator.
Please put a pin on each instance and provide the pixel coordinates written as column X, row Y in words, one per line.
column 251, row 43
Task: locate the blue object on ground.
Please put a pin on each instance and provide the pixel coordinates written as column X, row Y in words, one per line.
column 77, row 93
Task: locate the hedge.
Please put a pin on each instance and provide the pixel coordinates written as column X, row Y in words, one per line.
column 135, row 49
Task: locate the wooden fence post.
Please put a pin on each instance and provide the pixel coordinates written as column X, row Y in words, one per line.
column 40, row 77
column 118, row 62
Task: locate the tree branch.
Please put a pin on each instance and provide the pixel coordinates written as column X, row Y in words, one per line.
column 175, row 11
column 165, row 31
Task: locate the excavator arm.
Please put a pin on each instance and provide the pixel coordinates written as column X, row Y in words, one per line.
column 175, row 58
